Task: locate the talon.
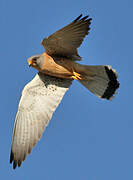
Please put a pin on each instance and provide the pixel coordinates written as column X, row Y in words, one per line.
column 77, row 76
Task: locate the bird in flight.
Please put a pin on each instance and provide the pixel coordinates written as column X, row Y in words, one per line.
column 57, row 68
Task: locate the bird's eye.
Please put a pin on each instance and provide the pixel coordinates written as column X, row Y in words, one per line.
column 34, row 59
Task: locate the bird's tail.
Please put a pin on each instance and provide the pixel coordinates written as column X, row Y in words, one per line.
column 100, row 80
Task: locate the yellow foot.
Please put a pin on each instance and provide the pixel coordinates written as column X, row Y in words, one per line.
column 76, row 76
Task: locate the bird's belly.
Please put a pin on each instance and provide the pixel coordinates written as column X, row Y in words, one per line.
column 61, row 68
column 58, row 73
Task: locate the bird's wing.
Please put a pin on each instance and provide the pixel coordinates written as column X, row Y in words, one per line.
column 39, row 100
column 66, row 41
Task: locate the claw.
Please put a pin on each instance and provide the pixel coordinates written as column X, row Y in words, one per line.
column 76, row 76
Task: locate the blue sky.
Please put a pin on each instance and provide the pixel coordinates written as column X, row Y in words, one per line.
column 87, row 138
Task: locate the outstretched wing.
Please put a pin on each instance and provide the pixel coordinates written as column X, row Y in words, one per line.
column 66, row 41
column 39, row 100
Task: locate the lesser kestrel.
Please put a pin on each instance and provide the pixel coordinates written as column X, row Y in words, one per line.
column 57, row 68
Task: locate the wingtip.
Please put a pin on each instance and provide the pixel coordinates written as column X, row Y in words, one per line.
column 15, row 163
column 83, row 18
column 78, row 17
column 11, row 157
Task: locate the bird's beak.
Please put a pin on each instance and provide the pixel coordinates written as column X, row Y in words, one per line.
column 30, row 62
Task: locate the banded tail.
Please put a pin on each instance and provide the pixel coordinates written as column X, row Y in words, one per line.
column 100, row 80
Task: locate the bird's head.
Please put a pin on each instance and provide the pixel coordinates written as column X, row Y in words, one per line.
column 36, row 61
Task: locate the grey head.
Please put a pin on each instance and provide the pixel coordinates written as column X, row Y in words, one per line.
column 36, row 60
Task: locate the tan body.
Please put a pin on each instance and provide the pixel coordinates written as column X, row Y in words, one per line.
column 60, row 67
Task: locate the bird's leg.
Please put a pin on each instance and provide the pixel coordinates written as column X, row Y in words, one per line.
column 76, row 76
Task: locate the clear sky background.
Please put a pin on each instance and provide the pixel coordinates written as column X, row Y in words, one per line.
column 87, row 138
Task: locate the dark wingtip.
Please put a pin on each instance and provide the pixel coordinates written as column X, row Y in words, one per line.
column 78, row 17
column 12, row 160
column 11, row 157
column 15, row 163
column 113, row 84
column 84, row 18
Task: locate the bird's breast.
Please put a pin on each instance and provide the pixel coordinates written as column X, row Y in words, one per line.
column 58, row 67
